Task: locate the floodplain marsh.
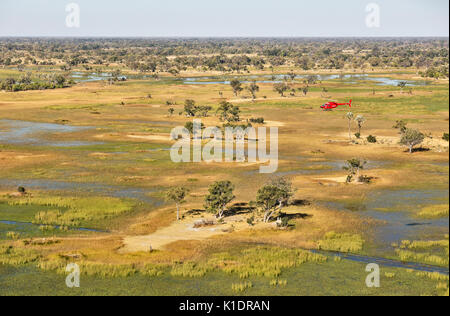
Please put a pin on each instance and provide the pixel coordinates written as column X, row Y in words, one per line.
column 94, row 164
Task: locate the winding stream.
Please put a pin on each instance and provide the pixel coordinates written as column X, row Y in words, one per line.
column 386, row 262
column 81, row 229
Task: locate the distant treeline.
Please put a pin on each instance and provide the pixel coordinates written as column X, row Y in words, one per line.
column 26, row 82
column 175, row 55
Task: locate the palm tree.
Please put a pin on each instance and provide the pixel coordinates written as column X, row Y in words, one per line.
column 360, row 121
column 350, row 117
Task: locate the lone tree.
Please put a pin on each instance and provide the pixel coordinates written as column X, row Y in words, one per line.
column 360, row 121
column 178, row 196
column 190, row 108
column 253, row 88
column 171, row 111
column 354, row 167
column 273, row 196
column 402, row 85
column 349, row 117
column 305, row 90
column 220, row 194
column 412, row 137
column 401, row 125
column 281, row 88
column 237, row 86
column 228, row 112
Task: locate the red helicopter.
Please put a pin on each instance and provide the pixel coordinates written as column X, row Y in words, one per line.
column 332, row 105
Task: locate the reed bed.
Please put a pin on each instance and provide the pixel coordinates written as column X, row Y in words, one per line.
column 406, row 255
column 341, row 242
column 263, row 261
column 278, row 282
column 434, row 211
column 72, row 211
column 190, row 269
column 16, row 256
column 87, row 268
column 241, row 287
column 13, row 235
column 153, row 270
column 408, row 251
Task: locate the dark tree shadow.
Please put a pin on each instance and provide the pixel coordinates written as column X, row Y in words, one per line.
column 418, row 150
column 295, row 216
column 239, row 208
column 194, row 212
column 300, row 203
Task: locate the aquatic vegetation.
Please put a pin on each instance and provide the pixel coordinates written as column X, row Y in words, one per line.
column 106, row 270
column 389, row 275
column 16, row 256
column 433, row 276
column 341, row 242
column 420, row 244
column 101, row 270
column 434, row 211
column 428, row 258
column 263, row 261
column 47, row 228
column 74, row 211
column 13, row 235
column 241, row 287
column 189, row 269
column 437, row 251
column 153, row 270
column 278, row 282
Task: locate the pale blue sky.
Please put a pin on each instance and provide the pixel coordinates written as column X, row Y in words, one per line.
column 224, row 18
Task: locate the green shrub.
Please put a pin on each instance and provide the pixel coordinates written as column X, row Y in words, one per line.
column 259, row 120
column 371, row 139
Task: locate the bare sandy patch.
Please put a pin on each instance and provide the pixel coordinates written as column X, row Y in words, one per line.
column 29, row 156
column 340, row 179
column 182, row 231
column 163, row 138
